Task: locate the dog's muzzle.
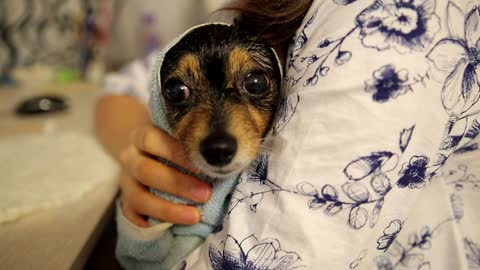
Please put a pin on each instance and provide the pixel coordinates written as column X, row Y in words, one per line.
column 218, row 149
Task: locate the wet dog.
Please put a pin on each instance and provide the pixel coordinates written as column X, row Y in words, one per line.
column 220, row 96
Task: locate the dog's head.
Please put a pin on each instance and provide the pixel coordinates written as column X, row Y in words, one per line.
column 220, row 88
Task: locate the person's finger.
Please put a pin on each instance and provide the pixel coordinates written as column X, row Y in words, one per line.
column 152, row 173
column 142, row 202
column 158, row 143
column 134, row 217
column 125, row 205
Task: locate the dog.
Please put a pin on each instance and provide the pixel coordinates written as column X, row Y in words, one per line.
column 216, row 89
column 220, row 97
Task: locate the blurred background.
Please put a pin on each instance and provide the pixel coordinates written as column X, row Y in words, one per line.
column 66, row 36
column 57, row 185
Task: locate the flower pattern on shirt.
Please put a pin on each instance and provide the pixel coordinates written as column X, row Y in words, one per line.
column 394, row 28
column 459, row 56
column 252, row 254
column 414, row 173
column 388, row 83
column 403, row 25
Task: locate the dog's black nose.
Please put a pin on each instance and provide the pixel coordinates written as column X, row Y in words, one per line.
column 218, row 149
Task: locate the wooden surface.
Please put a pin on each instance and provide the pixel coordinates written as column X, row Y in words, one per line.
column 61, row 237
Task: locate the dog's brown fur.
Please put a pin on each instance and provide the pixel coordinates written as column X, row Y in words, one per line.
column 220, row 103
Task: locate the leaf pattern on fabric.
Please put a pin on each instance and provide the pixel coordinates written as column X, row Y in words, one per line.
column 354, row 194
column 389, row 235
column 474, row 130
column 356, row 263
column 473, row 254
column 460, row 178
column 365, row 166
column 409, row 255
column 405, row 137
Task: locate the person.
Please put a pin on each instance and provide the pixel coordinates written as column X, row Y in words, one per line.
column 375, row 160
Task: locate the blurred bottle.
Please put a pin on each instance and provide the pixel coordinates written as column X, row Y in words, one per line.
column 150, row 39
column 98, row 23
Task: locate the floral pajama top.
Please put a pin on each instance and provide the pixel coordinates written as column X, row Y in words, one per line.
column 374, row 160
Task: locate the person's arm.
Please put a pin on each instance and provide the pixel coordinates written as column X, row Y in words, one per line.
column 116, row 116
column 123, row 127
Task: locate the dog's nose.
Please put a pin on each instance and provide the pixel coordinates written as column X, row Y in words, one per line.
column 218, row 149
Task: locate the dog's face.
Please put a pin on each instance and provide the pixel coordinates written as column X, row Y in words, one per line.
column 220, row 89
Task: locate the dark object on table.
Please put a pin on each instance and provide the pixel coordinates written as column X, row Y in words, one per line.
column 41, row 104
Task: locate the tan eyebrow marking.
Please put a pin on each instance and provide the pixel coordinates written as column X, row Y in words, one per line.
column 188, row 67
column 239, row 59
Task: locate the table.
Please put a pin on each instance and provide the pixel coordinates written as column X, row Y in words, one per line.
column 62, row 237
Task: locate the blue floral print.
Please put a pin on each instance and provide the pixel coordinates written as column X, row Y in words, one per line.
column 388, row 83
column 389, row 235
column 461, row 90
column 299, row 43
column 471, row 134
column 460, row 178
column 333, row 47
column 343, row 2
column 473, row 254
column 457, row 56
column 257, row 174
column 414, row 173
column 285, row 112
column 405, row 137
column 409, row 256
column 367, row 165
column 354, row 196
column 359, row 259
column 252, row 254
column 403, row 25
column 474, row 130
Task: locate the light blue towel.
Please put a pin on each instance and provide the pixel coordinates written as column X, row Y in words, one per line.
column 175, row 244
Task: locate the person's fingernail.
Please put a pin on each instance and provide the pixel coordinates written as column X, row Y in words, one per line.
column 200, row 192
column 191, row 216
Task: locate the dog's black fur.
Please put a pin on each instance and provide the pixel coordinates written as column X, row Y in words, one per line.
column 220, row 96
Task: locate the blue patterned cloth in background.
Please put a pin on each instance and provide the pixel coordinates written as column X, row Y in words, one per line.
column 375, row 163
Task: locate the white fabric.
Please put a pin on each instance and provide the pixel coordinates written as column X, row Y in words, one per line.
column 44, row 171
column 375, row 163
column 133, row 80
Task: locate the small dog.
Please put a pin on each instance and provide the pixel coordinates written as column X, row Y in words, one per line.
column 216, row 89
column 220, row 97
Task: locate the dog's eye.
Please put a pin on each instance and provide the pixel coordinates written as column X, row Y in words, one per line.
column 256, row 84
column 176, row 91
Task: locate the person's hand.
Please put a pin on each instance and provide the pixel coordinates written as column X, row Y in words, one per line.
column 141, row 170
